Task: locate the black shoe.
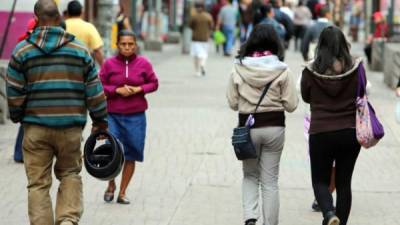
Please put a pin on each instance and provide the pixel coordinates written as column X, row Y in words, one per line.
column 108, row 196
column 330, row 219
column 203, row 71
column 315, row 206
column 123, row 200
column 250, row 222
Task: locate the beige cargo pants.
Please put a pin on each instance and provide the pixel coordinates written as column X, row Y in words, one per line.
column 41, row 145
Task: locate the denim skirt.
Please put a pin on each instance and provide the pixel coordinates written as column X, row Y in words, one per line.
column 130, row 129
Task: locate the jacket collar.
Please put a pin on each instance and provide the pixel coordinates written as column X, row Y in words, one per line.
column 124, row 58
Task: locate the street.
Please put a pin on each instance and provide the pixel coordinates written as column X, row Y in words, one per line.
column 190, row 175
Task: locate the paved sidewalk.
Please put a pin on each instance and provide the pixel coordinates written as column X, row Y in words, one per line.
column 190, row 175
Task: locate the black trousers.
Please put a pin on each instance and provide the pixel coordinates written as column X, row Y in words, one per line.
column 342, row 147
column 368, row 52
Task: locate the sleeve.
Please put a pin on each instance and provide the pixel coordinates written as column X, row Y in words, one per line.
column 289, row 94
column 232, row 94
column 95, row 40
column 95, row 99
column 109, row 89
column 16, row 85
column 305, row 87
column 150, row 79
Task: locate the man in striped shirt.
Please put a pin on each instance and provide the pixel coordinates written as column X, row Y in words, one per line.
column 51, row 82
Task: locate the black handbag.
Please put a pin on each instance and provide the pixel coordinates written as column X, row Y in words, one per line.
column 241, row 139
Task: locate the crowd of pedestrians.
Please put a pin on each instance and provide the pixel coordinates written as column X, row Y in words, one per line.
column 53, row 80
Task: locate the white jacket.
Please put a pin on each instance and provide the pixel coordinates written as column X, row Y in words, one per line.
column 248, row 79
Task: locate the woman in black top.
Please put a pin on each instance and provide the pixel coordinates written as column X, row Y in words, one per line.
column 329, row 85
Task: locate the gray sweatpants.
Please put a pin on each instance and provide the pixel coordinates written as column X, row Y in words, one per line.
column 263, row 172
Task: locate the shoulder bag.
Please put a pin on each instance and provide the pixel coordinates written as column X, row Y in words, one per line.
column 241, row 139
column 368, row 128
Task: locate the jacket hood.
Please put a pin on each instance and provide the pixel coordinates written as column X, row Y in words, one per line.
column 49, row 39
column 258, row 71
column 334, row 83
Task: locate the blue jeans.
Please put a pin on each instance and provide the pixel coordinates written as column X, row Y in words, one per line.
column 18, row 145
column 229, row 33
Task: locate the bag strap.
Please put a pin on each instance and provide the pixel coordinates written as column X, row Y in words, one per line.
column 361, row 80
column 263, row 94
column 267, row 86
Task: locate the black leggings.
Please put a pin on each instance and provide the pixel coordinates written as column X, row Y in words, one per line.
column 342, row 147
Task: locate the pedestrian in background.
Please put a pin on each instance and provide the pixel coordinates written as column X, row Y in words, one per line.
column 283, row 19
column 84, row 31
column 258, row 64
column 215, row 9
column 329, row 85
column 269, row 13
column 381, row 33
column 51, row 83
column 302, row 19
column 122, row 20
column 311, row 36
column 126, row 79
column 227, row 20
column 202, row 25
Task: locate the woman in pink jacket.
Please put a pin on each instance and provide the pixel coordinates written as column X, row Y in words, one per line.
column 126, row 79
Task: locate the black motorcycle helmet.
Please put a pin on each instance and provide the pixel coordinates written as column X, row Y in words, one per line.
column 106, row 161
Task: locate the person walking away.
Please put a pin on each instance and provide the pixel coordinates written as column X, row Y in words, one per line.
column 328, row 84
column 122, row 20
column 312, row 34
column 227, row 19
column 355, row 19
column 302, row 19
column 311, row 4
column 201, row 24
column 287, row 8
column 283, row 19
column 127, row 78
column 381, row 33
column 215, row 9
column 270, row 19
column 258, row 64
column 84, row 31
column 51, row 83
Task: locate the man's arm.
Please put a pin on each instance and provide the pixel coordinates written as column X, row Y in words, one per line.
column 16, row 90
column 94, row 95
column 99, row 55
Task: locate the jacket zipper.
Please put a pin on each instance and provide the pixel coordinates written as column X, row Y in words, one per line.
column 126, row 68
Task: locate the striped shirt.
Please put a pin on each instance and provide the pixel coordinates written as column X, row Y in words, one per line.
column 52, row 81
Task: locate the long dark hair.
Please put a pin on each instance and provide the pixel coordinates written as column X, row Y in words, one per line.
column 332, row 46
column 262, row 38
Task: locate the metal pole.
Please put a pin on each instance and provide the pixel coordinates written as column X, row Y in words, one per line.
column 105, row 20
column 3, row 42
column 187, row 34
column 391, row 17
column 133, row 15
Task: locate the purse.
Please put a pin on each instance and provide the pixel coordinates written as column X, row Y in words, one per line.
column 241, row 139
column 368, row 128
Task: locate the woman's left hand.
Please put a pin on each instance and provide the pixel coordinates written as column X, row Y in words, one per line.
column 135, row 89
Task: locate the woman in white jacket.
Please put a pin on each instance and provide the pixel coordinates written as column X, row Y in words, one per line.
column 259, row 63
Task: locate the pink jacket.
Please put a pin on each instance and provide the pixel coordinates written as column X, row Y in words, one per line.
column 134, row 71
